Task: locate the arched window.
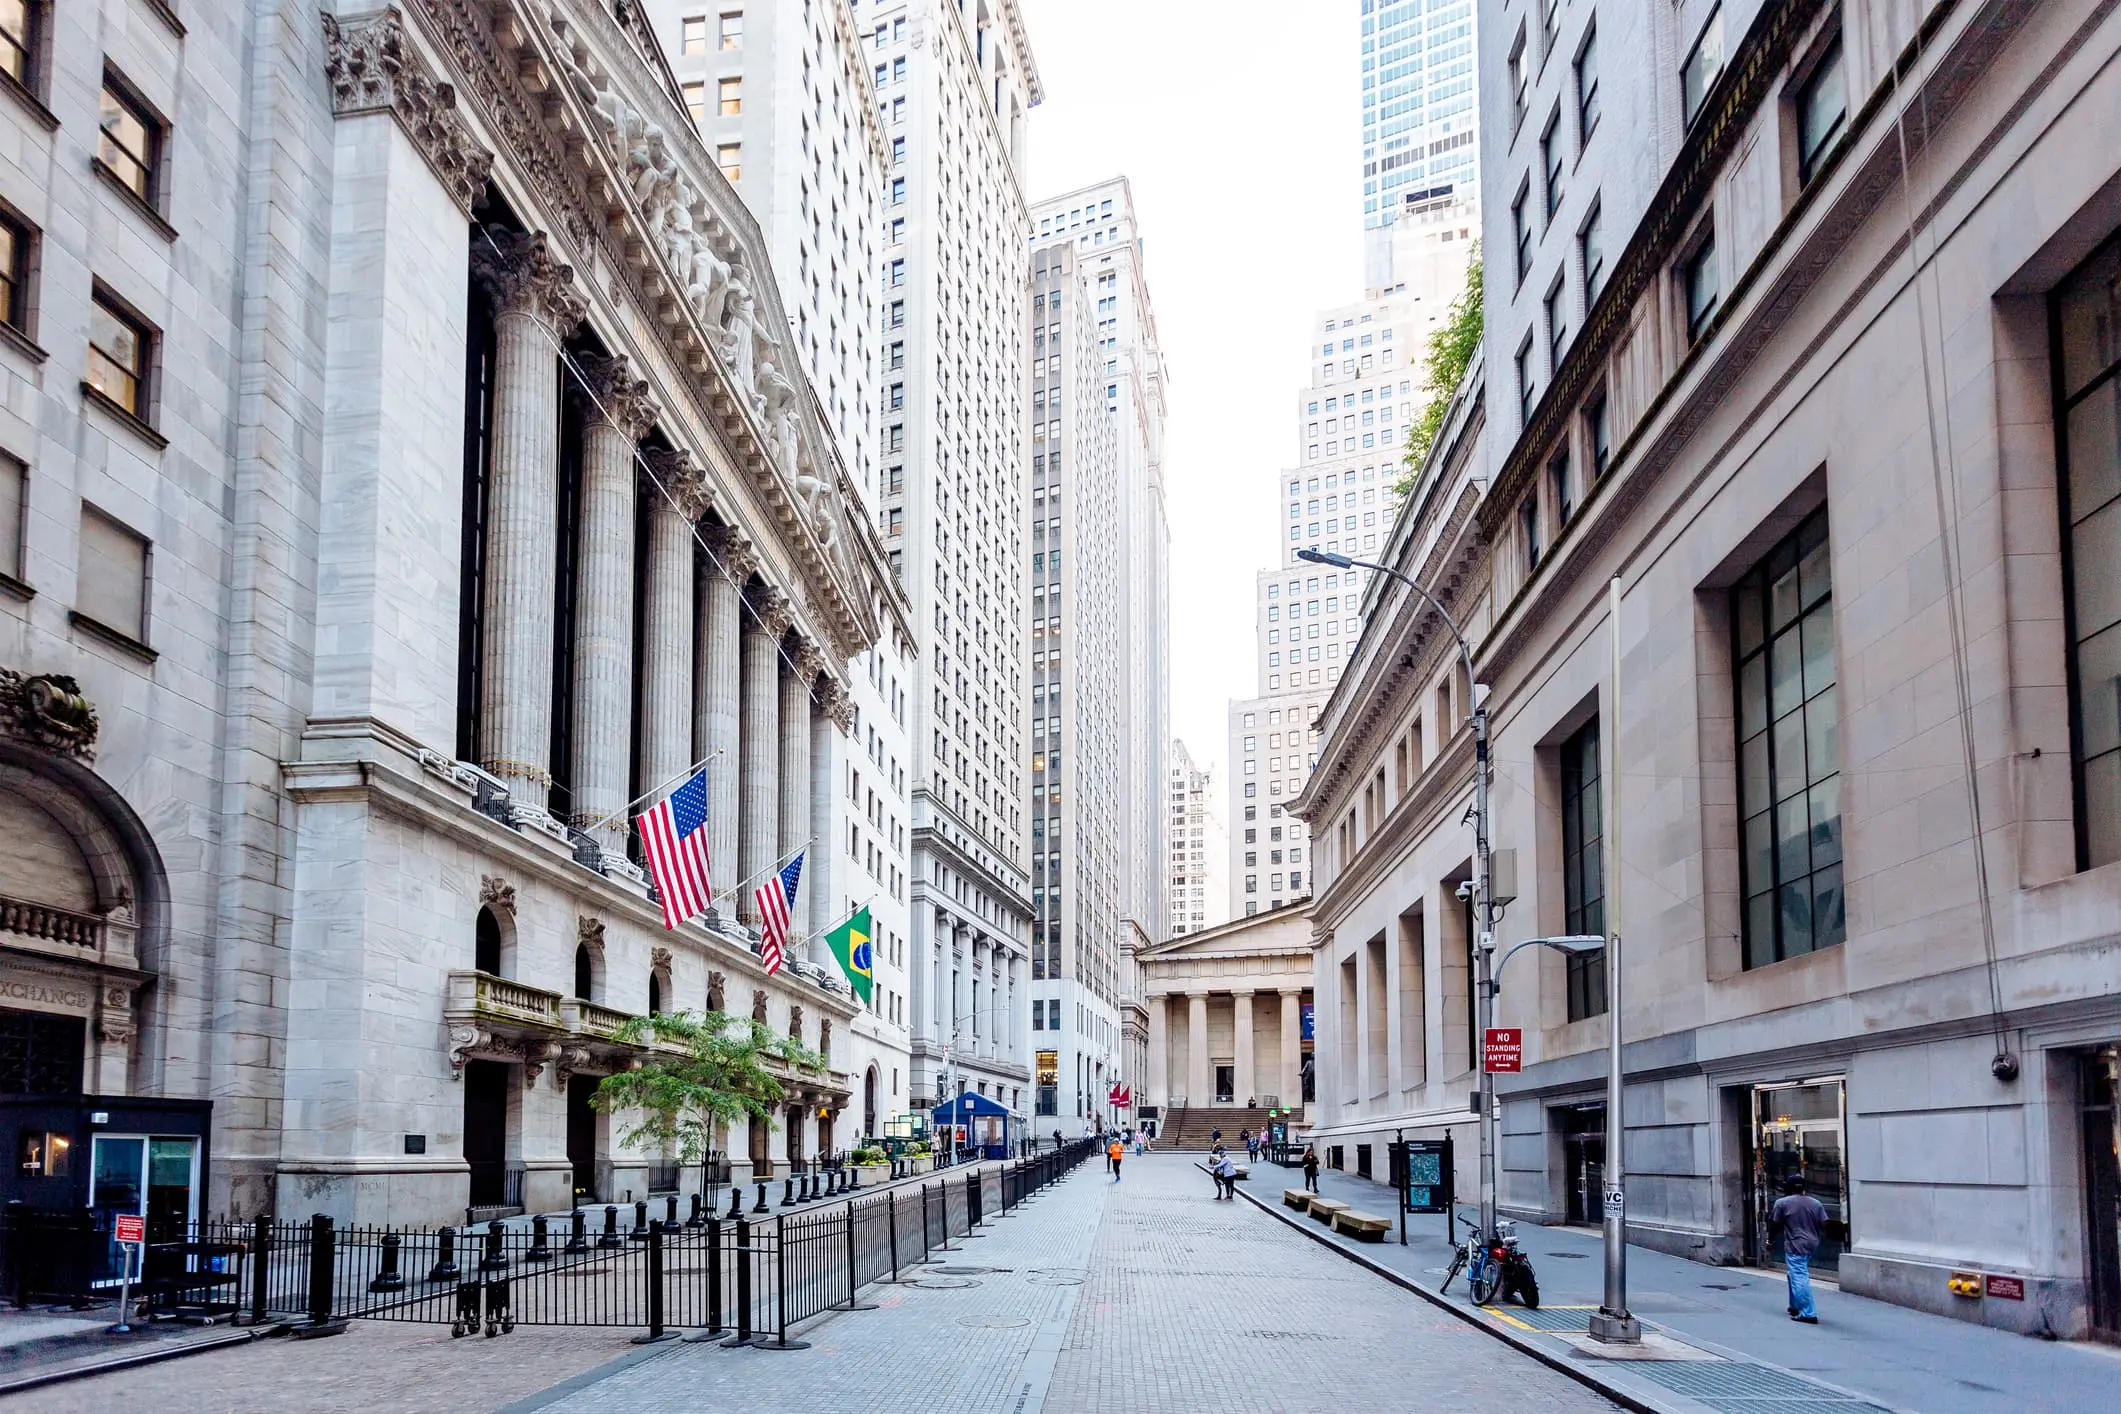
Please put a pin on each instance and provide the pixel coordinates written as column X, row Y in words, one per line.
column 584, row 974
column 655, row 994
column 487, row 956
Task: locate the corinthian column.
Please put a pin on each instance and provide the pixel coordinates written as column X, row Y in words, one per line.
column 834, row 714
column 759, row 730
column 616, row 411
column 717, row 715
column 534, row 307
column 794, row 824
column 676, row 498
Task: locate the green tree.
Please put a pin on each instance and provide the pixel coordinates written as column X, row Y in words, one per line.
column 1450, row 353
column 699, row 1072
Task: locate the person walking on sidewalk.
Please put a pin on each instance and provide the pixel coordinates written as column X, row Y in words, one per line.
column 1799, row 1218
column 1311, row 1168
column 1115, row 1151
column 1226, row 1176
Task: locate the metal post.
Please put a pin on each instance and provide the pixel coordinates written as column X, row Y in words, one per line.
column 714, row 1275
column 655, row 1287
column 540, row 1240
column 742, row 1252
column 1614, row 1322
column 323, row 1252
column 260, row 1266
column 445, row 1267
column 577, row 1232
column 611, row 1227
column 388, row 1278
column 1484, row 950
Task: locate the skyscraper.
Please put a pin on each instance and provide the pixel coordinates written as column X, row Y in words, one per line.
column 1197, row 868
column 1420, row 116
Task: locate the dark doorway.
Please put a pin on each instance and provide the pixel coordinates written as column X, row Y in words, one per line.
column 486, row 1131
column 487, row 954
column 584, row 974
column 1583, row 1162
column 582, row 1136
column 869, row 1102
column 1225, row 1084
column 794, row 1121
column 761, row 1165
column 2102, row 1188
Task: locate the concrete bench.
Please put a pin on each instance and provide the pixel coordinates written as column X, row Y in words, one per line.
column 1363, row 1227
column 1242, row 1172
column 1324, row 1209
column 1297, row 1198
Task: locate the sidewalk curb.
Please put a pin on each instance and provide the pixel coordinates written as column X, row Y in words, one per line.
column 1582, row 1376
column 37, row 1379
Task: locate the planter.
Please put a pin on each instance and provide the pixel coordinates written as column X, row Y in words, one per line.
column 867, row 1174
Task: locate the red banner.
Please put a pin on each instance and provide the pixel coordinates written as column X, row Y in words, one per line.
column 1121, row 1097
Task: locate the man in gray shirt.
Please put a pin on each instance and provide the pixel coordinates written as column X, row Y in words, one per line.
column 1799, row 1218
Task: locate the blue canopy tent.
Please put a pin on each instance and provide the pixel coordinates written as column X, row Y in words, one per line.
column 986, row 1125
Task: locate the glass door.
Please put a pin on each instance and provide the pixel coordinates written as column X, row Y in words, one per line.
column 2102, row 1188
column 1799, row 1131
column 147, row 1176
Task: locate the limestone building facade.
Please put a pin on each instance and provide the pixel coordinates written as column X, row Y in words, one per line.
column 1198, row 867
column 420, row 474
column 1229, row 1022
column 1823, row 388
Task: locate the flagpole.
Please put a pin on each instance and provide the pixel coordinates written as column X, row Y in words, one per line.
column 775, row 867
column 650, row 794
column 835, row 923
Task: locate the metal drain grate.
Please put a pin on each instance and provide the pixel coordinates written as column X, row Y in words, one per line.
column 1735, row 1387
column 1571, row 1320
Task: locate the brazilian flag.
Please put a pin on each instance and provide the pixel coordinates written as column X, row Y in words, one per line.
column 850, row 944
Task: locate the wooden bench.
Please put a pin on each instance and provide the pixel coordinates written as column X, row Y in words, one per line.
column 1363, row 1227
column 1297, row 1198
column 1324, row 1209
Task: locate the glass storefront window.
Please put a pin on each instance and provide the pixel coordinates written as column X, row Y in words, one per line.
column 1799, row 1131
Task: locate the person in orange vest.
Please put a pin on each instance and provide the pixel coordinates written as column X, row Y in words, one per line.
column 1115, row 1151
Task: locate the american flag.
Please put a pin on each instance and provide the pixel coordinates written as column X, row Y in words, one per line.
column 674, row 834
column 775, row 898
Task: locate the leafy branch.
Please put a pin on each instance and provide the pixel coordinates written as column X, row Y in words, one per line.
column 700, row 1073
column 1451, row 349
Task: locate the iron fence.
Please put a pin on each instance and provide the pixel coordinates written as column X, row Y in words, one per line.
column 755, row 1270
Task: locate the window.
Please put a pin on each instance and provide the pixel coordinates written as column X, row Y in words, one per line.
column 695, row 99
column 1528, row 527
column 1590, row 247
column 14, row 509
column 2087, row 319
column 1789, row 757
column 1521, row 230
column 17, row 240
column 1558, row 479
column 1582, row 882
column 1596, row 434
column 1702, row 292
column 1557, row 324
column 1549, row 22
column 110, row 581
column 1525, row 390
column 119, row 346
column 731, row 95
column 733, row 29
column 729, row 156
column 1520, row 82
column 1822, row 111
column 18, row 39
column 131, row 140
column 1587, row 86
column 1550, row 158
column 692, row 35
column 1704, row 62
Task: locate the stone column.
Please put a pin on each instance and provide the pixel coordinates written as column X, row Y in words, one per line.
column 797, row 675
column 676, row 498
column 833, row 714
column 534, row 307
column 1292, row 1030
column 1199, row 1088
column 1157, row 1084
column 616, row 412
column 1244, row 1083
column 759, row 732
column 725, row 564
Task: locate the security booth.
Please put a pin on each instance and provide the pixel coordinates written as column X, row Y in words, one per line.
column 985, row 1124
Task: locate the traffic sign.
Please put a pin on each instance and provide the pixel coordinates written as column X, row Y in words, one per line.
column 131, row 1229
column 1502, row 1050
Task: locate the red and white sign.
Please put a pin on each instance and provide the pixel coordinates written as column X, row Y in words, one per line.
column 2006, row 1288
column 1502, row 1050
column 1121, row 1097
column 131, row 1229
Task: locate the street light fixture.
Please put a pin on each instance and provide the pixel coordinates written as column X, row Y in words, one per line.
column 1483, row 900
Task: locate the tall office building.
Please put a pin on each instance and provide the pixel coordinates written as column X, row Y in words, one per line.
column 1099, row 222
column 782, row 93
column 1197, row 870
column 954, row 86
column 1420, row 117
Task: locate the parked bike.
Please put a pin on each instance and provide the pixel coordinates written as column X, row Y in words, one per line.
column 1495, row 1267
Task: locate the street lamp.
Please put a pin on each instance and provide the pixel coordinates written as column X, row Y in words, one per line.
column 1482, row 899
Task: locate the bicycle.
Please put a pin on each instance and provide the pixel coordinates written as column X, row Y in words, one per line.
column 1494, row 1268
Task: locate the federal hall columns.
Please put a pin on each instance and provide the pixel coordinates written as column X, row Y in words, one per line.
column 1221, row 1028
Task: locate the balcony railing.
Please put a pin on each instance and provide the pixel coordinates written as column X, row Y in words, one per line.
column 51, row 925
column 591, row 1019
column 485, row 997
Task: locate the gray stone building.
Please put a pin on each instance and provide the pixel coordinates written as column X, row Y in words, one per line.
column 1800, row 325
column 406, row 468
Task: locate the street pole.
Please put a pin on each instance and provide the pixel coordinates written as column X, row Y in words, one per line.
column 1613, row 1323
column 1484, row 920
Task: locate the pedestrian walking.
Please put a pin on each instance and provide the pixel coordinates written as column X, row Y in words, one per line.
column 1215, row 1138
column 1310, row 1168
column 1115, row 1152
column 1226, row 1177
column 1799, row 1218
column 1251, row 1142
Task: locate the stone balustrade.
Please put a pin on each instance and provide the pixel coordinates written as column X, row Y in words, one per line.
column 47, row 924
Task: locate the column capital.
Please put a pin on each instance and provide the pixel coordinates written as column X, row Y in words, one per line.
column 612, row 395
column 676, row 475
column 774, row 611
column 1293, row 993
column 739, row 558
column 838, row 703
column 807, row 657
column 521, row 274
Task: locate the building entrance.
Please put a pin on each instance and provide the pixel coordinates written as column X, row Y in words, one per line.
column 486, row 1131
column 2101, row 1089
column 1583, row 1162
column 1799, row 1130
column 582, row 1135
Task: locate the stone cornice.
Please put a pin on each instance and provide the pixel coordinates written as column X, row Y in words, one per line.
column 372, row 70
column 1437, row 788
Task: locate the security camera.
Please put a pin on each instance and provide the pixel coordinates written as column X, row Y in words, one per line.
column 1465, row 888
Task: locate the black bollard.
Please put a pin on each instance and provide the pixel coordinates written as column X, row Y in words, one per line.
column 640, row 1220
column 577, row 1232
column 445, row 1267
column 760, row 1206
column 736, row 1200
column 388, row 1279
column 742, row 1253
column 540, row 1241
column 495, row 1259
column 698, row 1218
column 611, row 1227
column 854, row 1180
column 787, row 1192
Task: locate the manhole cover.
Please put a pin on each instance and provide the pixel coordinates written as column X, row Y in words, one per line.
column 994, row 1323
column 1076, row 1272
column 1056, row 1281
column 945, row 1283
column 1566, row 1256
column 967, row 1271
column 1720, row 1286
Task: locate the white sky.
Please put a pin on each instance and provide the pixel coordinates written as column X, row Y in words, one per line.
column 1239, row 125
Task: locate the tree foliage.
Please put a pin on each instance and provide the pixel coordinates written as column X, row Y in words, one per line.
column 700, row 1072
column 1451, row 349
